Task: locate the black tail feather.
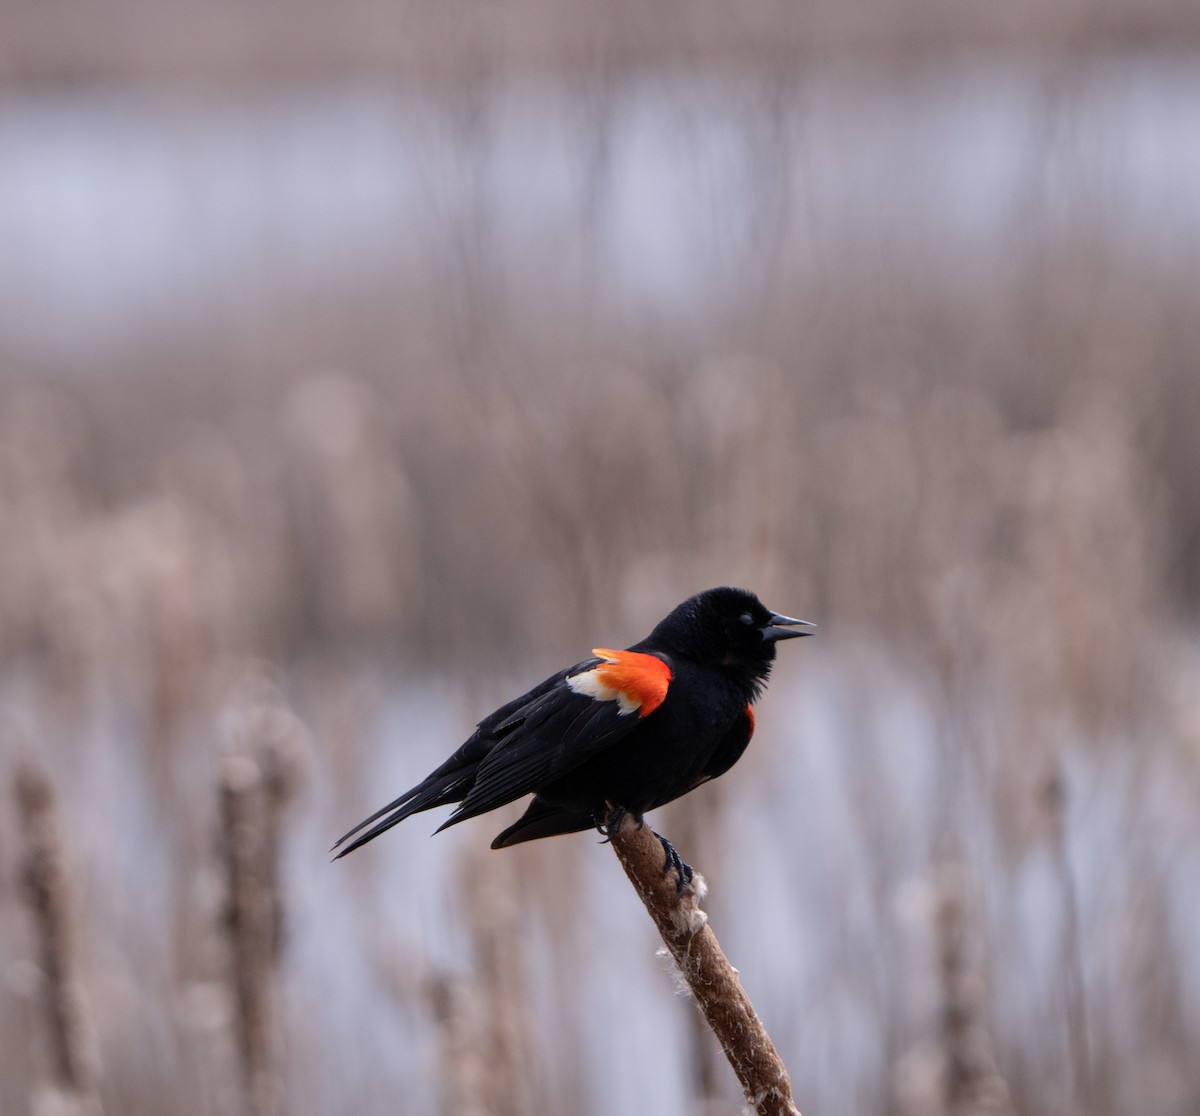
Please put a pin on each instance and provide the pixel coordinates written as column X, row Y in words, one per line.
column 371, row 834
column 437, row 790
column 542, row 819
column 376, row 816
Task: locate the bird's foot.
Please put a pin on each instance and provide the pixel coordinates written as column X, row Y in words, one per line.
column 683, row 872
column 610, row 822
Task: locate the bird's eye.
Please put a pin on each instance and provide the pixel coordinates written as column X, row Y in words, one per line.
column 746, row 618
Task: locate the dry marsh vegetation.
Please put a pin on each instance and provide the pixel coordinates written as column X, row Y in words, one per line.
column 435, row 42
column 959, row 869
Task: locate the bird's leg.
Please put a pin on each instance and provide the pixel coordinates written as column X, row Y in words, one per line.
column 683, row 872
column 610, row 822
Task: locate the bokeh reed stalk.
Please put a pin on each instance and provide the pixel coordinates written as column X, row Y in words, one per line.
column 492, row 907
column 462, row 1075
column 1054, row 805
column 68, row 1087
column 971, row 1083
column 418, row 39
column 258, row 777
column 486, row 1064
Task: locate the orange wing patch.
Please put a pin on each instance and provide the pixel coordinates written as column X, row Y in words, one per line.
column 750, row 718
column 636, row 682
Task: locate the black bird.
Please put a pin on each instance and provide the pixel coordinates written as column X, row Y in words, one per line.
column 621, row 733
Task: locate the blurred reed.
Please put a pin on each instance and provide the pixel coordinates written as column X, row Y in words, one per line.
column 492, row 906
column 259, row 775
column 66, row 1083
column 971, row 1082
column 423, row 40
column 462, row 1075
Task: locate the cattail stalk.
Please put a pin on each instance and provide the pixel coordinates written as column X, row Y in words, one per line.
column 713, row 981
column 463, row 1074
column 971, row 1082
column 258, row 777
column 1054, row 802
column 494, row 919
column 47, row 887
column 250, row 921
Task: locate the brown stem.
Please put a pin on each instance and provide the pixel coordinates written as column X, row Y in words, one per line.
column 258, row 776
column 712, row 980
column 250, row 926
column 47, row 890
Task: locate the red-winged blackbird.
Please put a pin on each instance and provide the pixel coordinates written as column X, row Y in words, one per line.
column 621, row 733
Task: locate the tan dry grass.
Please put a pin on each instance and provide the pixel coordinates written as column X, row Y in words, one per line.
column 424, row 41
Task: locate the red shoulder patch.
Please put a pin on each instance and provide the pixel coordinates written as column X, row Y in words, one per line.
column 750, row 718
column 635, row 681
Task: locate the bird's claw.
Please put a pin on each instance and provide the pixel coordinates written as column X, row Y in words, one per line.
column 683, row 871
column 610, row 823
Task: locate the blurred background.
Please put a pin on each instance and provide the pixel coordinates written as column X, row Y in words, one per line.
column 362, row 365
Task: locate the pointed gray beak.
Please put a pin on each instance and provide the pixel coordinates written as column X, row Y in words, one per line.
column 784, row 627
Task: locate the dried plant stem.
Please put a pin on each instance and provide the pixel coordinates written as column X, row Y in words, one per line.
column 258, row 776
column 1054, row 803
column 494, row 918
column 251, row 925
column 463, row 1073
column 972, row 1084
column 712, row 980
column 70, row 1089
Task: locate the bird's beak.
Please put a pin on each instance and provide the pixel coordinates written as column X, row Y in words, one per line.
column 784, row 627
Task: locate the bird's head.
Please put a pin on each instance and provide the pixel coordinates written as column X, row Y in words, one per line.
column 727, row 627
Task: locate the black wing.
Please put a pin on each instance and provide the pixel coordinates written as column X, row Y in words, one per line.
column 546, row 819
column 453, row 779
column 513, row 751
column 542, row 740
